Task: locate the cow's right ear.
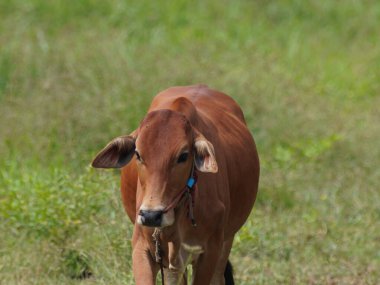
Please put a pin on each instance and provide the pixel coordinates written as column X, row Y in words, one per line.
column 116, row 154
column 204, row 158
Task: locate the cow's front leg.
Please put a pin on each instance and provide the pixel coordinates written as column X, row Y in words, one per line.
column 218, row 277
column 144, row 268
column 175, row 277
column 204, row 268
column 176, row 273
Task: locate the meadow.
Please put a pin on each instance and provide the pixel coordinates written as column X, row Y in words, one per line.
column 74, row 74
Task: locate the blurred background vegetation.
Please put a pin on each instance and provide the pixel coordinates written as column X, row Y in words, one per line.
column 74, row 74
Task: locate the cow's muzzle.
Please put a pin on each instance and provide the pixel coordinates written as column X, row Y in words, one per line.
column 151, row 218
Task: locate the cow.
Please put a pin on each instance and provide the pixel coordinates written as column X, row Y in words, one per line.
column 189, row 179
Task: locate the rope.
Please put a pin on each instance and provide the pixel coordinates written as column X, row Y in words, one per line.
column 191, row 207
column 158, row 252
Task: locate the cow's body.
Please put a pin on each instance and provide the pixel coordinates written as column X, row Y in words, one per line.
column 223, row 200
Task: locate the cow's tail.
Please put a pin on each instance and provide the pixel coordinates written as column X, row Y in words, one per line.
column 229, row 274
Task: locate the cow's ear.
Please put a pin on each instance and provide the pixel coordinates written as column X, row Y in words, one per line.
column 116, row 154
column 204, row 155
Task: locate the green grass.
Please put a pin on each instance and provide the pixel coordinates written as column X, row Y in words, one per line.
column 75, row 74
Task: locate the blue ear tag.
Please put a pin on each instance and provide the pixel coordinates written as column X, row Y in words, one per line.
column 190, row 182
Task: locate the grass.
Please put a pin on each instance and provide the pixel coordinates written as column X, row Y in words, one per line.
column 75, row 74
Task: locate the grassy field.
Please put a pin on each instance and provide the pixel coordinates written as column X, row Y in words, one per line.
column 74, row 74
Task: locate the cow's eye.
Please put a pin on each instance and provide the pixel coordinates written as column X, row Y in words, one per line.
column 183, row 157
column 138, row 155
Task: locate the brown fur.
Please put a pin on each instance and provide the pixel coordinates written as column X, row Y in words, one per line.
column 211, row 127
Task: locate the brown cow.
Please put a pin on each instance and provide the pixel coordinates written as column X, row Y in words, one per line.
column 188, row 131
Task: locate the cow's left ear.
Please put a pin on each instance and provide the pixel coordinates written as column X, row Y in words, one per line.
column 116, row 153
column 204, row 155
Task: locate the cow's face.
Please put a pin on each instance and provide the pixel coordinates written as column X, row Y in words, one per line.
column 166, row 147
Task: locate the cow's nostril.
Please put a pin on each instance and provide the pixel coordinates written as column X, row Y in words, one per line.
column 151, row 218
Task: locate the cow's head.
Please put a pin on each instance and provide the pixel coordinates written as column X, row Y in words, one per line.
column 166, row 147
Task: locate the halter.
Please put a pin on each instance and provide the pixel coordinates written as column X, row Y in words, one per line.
column 188, row 192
